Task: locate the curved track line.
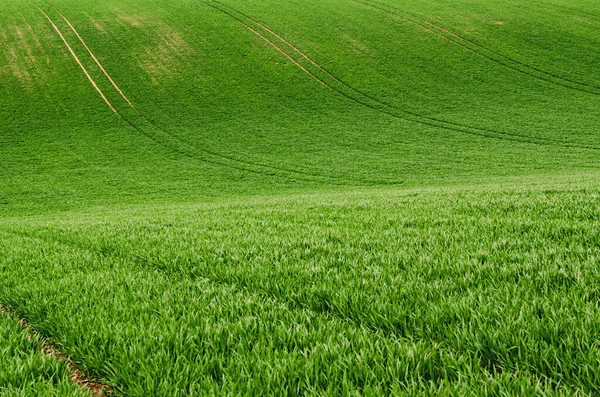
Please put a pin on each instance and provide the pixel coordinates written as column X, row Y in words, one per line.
column 570, row 10
column 193, row 146
column 179, row 142
column 79, row 62
column 283, row 52
column 389, row 109
column 551, row 75
column 283, row 40
column 190, row 151
column 95, row 59
column 546, row 76
column 146, row 134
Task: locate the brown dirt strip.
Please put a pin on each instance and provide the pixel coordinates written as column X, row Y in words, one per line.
column 95, row 59
column 79, row 62
column 78, row 378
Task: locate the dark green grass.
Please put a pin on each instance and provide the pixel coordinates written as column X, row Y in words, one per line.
column 229, row 115
column 409, row 292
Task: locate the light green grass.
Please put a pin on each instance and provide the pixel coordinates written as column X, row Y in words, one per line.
column 414, row 292
column 25, row 370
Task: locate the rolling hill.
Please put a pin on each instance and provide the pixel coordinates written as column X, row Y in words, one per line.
column 301, row 197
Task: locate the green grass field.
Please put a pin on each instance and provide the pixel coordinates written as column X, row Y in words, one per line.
column 334, row 197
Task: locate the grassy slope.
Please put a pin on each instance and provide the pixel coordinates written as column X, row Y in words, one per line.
column 223, row 99
column 362, row 287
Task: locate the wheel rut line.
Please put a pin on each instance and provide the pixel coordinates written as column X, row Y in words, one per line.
column 571, row 10
column 190, row 151
column 386, row 108
column 294, row 173
column 350, row 97
column 296, row 49
column 78, row 377
column 87, row 74
column 324, row 179
column 95, row 59
column 284, row 53
column 545, row 76
column 526, row 65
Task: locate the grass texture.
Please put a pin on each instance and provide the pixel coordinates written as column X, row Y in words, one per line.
column 220, row 100
column 333, row 197
column 387, row 293
column 25, row 370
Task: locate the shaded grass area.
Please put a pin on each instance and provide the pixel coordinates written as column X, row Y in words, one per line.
column 25, row 370
column 390, row 292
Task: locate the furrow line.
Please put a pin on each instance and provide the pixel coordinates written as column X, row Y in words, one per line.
column 330, row 180
column 545, row 76
column 79, row 62
column 97, row 388
column 95, row 59
column 386, row 108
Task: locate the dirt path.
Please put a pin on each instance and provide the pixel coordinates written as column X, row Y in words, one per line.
column 77, row 377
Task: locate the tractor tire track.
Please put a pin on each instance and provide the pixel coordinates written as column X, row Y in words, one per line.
column 178, row 150
column 284, row 53
column 192, row 152
column 152, row 137
column 525, row 65
column 181, row 147
column 378, row 105
column 352, row 89
column 570, row 10
column 95, row 59
column 459, row 40
column 87, row 74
